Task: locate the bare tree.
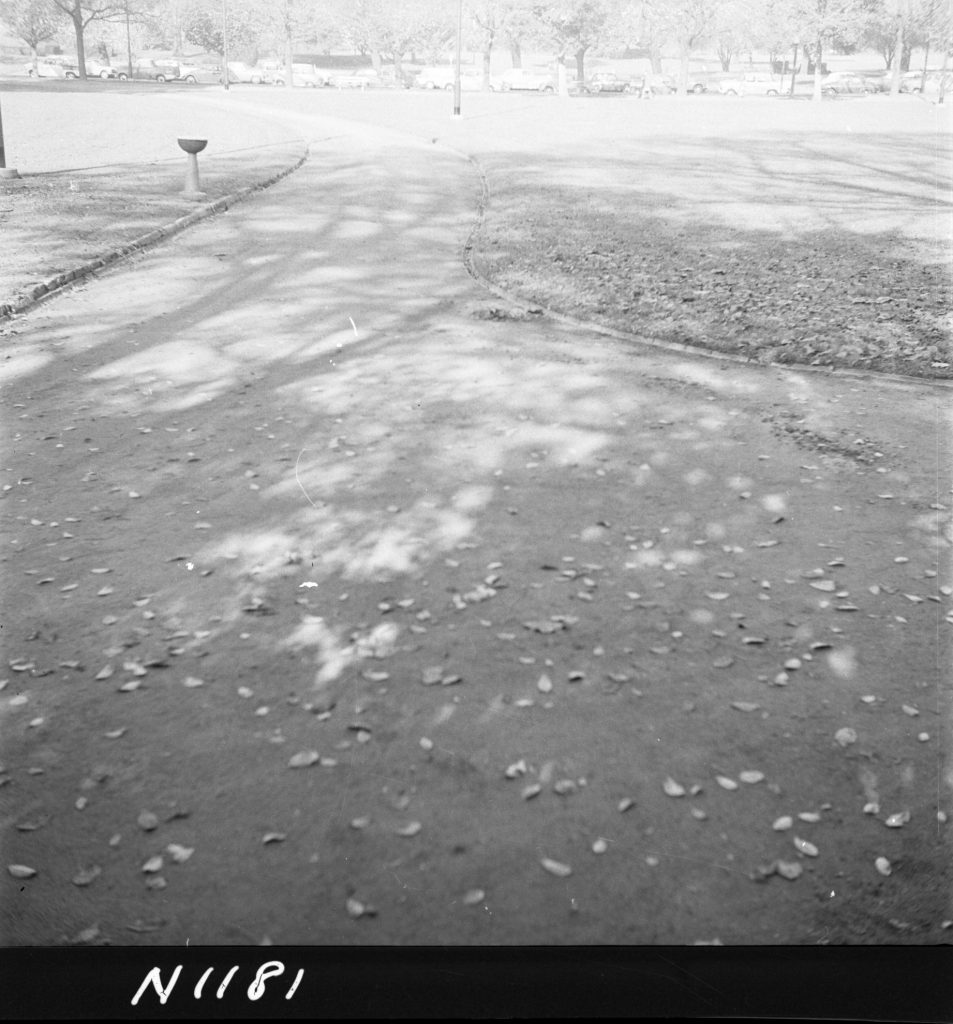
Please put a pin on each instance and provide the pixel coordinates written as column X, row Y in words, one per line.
column 689, row 23
column 820, row 22
column 81, row 13
column 574, row 26
column 33, row 21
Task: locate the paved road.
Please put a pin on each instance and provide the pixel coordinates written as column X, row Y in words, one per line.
column 385, row 611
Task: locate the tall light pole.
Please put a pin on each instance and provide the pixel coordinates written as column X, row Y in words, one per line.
column 225, row 42
column 456, row 70
column 128, row 42
column 5, row 172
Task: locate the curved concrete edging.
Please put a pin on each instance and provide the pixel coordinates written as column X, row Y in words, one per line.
column 473, row 269
column 54, row 284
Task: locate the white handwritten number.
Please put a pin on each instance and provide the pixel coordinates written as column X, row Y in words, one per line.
column 269, row 969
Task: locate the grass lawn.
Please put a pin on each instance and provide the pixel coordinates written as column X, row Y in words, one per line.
column 796, row 235
column 100, row 167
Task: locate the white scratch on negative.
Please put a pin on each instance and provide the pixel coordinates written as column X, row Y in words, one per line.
column 298, row 478
column 354, row 326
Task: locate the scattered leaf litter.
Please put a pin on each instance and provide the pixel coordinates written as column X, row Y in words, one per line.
column 555, row 867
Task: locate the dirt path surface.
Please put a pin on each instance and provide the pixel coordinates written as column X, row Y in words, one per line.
column 346, row 604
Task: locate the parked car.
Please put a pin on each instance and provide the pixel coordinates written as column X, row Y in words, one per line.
column 606, row 81
column 531, row 79
column 239, row 71
column 359, row 78
column 390, row 79
column 152, row 71
column 436, row 77
column 304, row 76
column 913, row 82
column 849, row 82
column 265, row 70
column 45, row 69
column 753, row 83
column 471, row 79
column 94, row 68
column 192, row 74
column 659, row 85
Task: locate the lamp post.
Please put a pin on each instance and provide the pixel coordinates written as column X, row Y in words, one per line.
column 456, row 70
column 225, row 42
column 128, row 43
column 5, row 172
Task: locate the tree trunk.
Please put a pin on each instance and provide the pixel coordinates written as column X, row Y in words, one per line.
column 289, row 59
column 818, row 57
column 897, row 59
column 580, row 64
column 486, row 65
column 926, row 64
column 655, row 57
column 683, row 69
column 77, row 17
column 516, row 53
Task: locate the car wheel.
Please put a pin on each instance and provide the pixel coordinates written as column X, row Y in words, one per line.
column 70, row 75
column 190, row 79
column 31, row 73
column 505, row 86
column 731, row 92
column 449, row 87
column 698, row 88
column 772, row 92
column 160, row 78
column 122, row 76
column 547, row 88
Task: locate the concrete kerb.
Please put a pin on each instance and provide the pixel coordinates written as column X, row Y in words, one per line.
column 49, row 287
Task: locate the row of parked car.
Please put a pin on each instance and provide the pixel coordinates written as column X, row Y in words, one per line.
column 541, row 79
column 142, row 70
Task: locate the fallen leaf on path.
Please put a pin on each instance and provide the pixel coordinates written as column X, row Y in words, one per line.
column 21, row 870
column 789, row 869
column 304, row 759
column 87, row 876
column 557, row 868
